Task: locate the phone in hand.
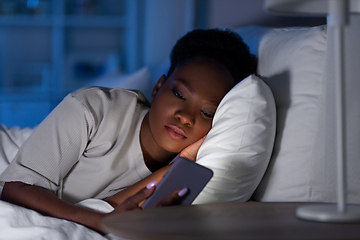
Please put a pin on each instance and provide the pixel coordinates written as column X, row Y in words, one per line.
column 183, row 173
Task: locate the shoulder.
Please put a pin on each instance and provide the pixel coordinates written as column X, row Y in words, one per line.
column 96, row 92
column 108, row 96
column 111, row 104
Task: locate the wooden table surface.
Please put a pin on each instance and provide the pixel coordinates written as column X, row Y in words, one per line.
column 251, row 220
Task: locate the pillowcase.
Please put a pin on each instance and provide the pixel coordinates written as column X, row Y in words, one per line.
column 10, row 141
column 292, row 61
column 240, row 142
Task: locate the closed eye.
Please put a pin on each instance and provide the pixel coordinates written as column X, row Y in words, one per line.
column 207, row 114
column 177, row 94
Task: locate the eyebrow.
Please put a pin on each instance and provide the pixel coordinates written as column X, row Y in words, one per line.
column 186, row 84
column 191, row 90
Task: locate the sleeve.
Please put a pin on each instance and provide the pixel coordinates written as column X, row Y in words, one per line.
column 54, row 147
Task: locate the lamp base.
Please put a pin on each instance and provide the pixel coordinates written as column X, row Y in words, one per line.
column 328, row 213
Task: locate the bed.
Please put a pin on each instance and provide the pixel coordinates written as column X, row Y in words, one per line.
column 269, row 140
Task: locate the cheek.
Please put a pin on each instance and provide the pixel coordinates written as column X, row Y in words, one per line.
column 161, row 107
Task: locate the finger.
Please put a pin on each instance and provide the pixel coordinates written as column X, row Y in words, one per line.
column 133, row 201
column 173, row 198
column 144, row 193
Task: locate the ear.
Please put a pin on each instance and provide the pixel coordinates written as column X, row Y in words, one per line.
column 158, row 85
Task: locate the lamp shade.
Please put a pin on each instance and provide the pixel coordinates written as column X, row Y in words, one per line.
column 305, row 7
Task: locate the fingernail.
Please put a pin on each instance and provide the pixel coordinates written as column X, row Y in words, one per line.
column 151, row 184
column 182, row 192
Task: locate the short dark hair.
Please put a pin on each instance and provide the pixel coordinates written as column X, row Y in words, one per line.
column 225, row 47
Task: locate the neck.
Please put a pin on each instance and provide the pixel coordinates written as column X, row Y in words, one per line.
column 155, row 157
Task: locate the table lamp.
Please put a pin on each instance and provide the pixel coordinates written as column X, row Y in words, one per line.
column 337, row 12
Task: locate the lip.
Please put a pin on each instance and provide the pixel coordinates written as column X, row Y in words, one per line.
column 175, row 132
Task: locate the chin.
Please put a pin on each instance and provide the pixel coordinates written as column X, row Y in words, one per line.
column 170, row 146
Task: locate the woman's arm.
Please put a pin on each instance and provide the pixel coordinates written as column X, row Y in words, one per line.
column 44, row 202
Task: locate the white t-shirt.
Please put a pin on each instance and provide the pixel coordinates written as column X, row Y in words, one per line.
column 90, row 141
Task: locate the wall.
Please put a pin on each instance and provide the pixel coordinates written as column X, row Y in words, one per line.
column 236, row 13
column 165, row 21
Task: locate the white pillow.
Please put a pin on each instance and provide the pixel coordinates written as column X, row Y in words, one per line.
column 292, row 61
column 10, row 141
column 139, row 80
column 239, row 145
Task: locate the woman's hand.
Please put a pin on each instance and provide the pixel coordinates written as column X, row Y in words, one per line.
column 117, row 199
column 133, row 202
column 191, row 151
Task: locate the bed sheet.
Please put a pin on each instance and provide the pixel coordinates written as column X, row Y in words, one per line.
column 24, row 224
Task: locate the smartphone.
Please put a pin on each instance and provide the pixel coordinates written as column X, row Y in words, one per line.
column 183, row 173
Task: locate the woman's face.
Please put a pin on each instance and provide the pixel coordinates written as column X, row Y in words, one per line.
column 184, row 105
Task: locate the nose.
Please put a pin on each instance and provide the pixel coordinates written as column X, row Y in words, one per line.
column 185, row 117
